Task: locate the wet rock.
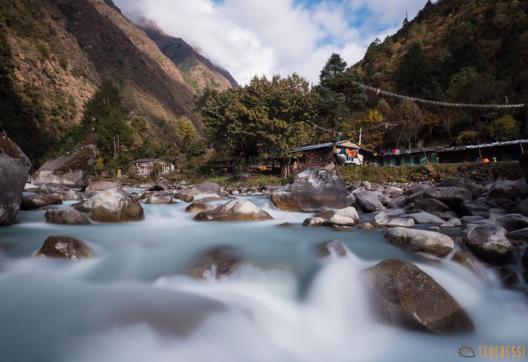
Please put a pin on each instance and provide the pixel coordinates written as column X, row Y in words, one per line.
column 196, row 207
column 366, row 226
column 476, row 208
column 512, row 222
column 435, row 207
column 64, row 247
column 369, row 201
column 518, row 236
column 156, row 188
column 313, row 190
column 206, row 197
column 451, row 223
column 466, row 261
column 235, row 210
column 463, row 183
column 508, row 276
column 451, row 196
column 159, row 200
column 14, row 168
column 522, row 207
column 343, row 217
column 112, row 206
column 72, row 169
column 393, row 191
column 68, row 216
column 400, row 221
column 404, row 295
column 33, row 202
column 489, row 243
column 286, row 225
column 102, row 186
column 423, row 241
column 508, row 189
column 383, row 218
column 470, row 219
column 426, row 218
column 216, row 263
column 333, row 249
column 188, row 194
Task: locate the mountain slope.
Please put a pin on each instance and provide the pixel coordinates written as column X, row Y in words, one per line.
column 197, row 70
column 462, row 51
column 54, row 54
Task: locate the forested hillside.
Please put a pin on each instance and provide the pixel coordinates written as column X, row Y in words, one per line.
column 58, row 57
column 466, row 51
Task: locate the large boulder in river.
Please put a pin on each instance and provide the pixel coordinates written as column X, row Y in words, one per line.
column 508, row 189
column 235, row 210
column 36, row 201
column 404, row 295
column 216, row 263
column 369, row 201
column 71, row 170
column 489, row 243
column 512, row 222
column 464, row 183
column 476, row 208
column 14, row 168
column 112, row 205
column 68, row 216
column 196, row 207
column 313, row 190
column 451, row 196
column 435, row 207
column 200, row 192
column 159, row 199
column 423, row 241
column 64, row 247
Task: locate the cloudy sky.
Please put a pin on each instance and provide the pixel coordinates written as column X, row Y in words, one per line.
column 255, row 37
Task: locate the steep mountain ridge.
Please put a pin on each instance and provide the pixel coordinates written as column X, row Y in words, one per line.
column 54, row 54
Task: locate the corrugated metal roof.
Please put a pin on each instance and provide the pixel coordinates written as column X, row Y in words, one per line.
column 484, row 145
column 345, row 143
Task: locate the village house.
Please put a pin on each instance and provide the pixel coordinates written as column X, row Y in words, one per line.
column 343, row 153
column 487, row 152
column 146, row 167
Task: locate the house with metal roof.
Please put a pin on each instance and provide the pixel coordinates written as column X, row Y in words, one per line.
column 342, row 152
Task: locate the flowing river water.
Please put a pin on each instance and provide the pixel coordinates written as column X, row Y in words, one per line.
column 134, row 303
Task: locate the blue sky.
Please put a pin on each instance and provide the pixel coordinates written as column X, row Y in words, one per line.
column 266, row 37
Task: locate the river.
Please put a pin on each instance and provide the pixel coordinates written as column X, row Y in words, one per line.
column 134, row 303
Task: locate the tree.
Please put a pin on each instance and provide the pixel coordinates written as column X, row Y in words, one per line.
column 410, row 120
column 505, row 128
column 106, row 118
column 415, row 75
column 263, row 119
column 339, row 96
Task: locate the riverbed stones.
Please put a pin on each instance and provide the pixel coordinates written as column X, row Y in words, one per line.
column 404, row 295
column 68, row 216
column 512, row 222
column 72, row 169
column 435, row 207
column 369, row 201
column 14, row 168
column 216, row 263
column 112, row 205
column 313, row 190
column 36, row 201
column 64, row 247
column 332, row 249
column 196, row 192
column 489, row 243
column 235, row 210
column 425, row 218
column 476, row 208
column 423, row 241
column 343, row 217
column 102, row 186
column 196, row 207
column 451, row 196
column 159, row 199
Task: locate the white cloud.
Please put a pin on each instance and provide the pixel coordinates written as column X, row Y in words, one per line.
column 266, row 37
